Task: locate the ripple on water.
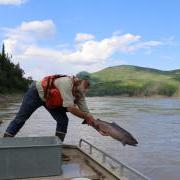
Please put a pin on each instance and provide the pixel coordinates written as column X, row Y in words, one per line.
column 154, row 122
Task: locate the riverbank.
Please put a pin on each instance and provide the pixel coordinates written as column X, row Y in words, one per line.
column 10, row 97
column 140, row 97
column 155, row 96
column 2, row 98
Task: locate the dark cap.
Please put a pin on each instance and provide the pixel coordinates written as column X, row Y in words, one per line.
column 83, row 75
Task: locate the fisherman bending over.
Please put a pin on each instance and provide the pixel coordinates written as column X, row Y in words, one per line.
column 58, row 94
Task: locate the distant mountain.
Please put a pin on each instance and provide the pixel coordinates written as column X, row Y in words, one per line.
column 130, row 80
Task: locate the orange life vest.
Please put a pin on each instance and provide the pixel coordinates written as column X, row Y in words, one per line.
column 52, row 95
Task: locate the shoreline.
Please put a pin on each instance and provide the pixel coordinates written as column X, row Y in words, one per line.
column 10, row 97
column 140, row 97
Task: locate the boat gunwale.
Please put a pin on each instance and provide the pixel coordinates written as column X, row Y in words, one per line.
column 122, row 165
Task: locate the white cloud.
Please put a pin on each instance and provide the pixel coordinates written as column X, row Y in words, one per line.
column 20, row 38
column 84, row 37
column 143, row 45
column 40, row 29
column 36, row 72
column 88, row 53
column 12, row 2
column 32, row 30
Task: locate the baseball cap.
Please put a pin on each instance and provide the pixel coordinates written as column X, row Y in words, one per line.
column 83, row 75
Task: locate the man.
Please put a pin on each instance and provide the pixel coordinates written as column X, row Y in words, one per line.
column 58, row 94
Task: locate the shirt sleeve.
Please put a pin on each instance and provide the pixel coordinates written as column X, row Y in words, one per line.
column 64, row 85
column 82, row 105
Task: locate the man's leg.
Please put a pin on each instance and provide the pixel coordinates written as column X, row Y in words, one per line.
column 30, row 103
column 59, row 114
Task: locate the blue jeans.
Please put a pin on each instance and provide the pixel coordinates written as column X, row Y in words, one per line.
column 30, row 103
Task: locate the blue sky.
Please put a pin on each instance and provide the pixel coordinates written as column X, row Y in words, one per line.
column 68, row 36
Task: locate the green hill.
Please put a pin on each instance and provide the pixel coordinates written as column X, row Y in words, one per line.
column 135, row 81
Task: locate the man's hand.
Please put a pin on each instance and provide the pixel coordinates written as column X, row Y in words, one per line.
column 86, row 116
column 89, row 119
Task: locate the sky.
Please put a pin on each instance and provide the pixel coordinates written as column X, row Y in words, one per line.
column 68, row 36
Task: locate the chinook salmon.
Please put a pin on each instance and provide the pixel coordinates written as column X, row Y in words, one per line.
column 115, row 131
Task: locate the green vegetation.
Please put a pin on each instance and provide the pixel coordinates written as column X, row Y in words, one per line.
column 129, row 80
column 122, row 80
column 11, row 75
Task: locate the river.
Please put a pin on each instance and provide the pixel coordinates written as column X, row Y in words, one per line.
column 154, row 122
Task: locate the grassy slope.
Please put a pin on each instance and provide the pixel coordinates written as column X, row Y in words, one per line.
column 135, row 81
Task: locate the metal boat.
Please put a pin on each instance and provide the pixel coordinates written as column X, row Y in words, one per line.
column 87, row 162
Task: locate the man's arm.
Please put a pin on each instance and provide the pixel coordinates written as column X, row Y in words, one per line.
column 83, row 115
column 86, row 116
column 81, row 103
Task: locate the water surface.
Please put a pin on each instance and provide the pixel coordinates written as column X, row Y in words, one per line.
column 154, row 122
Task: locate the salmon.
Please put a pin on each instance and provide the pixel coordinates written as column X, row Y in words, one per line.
column 115, row 131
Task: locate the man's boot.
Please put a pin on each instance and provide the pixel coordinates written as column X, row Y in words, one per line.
column 61, row 137
column 7, row 135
